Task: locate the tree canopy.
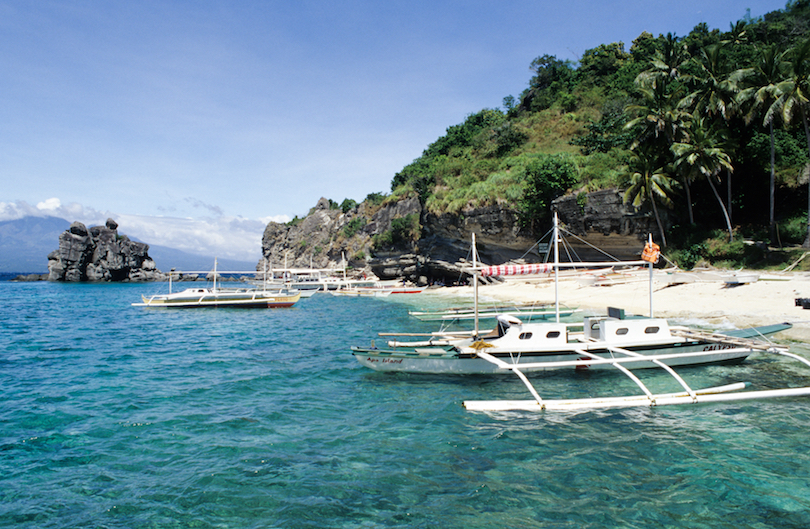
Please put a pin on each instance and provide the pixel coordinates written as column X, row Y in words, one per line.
column 670, row 121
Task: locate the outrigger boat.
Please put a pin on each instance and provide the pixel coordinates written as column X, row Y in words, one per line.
column 552, row 345
column 362, row 292
column 604, row 342
column 203, row 297
column 222, row 297
column 529, row 311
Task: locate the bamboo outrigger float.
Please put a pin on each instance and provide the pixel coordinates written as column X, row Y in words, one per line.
column 647, row 399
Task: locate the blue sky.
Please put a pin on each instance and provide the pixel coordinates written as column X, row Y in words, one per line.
column 193, row 123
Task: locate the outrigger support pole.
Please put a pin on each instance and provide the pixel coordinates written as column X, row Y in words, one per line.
column 514, row 367
column 689, row 396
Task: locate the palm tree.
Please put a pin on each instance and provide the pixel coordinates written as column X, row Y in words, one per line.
column 649, row 183
column 658, row 118
column 713, row 92
column 762, row 95
column 659, row 123
column 794, row 92
column 666, row 64
column 737, row 34
column 704, row 154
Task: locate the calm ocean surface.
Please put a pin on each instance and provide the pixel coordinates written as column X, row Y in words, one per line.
column 116, row 416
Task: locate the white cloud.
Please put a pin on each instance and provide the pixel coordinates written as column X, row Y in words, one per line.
column 49, row 205
column 225, row 237
column 220, row 236
column 53, row 207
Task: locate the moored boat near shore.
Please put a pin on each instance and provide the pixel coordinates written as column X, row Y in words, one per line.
column 231, row 297
column 538, row 346
column 527, row 311
column 541, row 346
column 222, row 297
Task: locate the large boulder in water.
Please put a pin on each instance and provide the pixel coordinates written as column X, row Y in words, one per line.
column 100, row 254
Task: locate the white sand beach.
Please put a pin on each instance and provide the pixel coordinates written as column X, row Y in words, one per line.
column 713, row 303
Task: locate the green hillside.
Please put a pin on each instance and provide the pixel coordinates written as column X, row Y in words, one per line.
column 682, row 122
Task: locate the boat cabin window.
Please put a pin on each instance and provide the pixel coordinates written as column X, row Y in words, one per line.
column 553, row 334
column 651, row 330
column 525, row 335
column 622, row 331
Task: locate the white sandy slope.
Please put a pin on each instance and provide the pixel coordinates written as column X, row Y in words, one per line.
column 712, row 303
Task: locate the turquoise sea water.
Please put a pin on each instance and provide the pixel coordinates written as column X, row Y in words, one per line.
column 115, row 416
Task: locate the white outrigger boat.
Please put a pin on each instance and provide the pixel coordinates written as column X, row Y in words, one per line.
column 552, row 345
column 362, row 292
column 204, row 297
column 222, row 297
column 527, row 311
column 614, row 341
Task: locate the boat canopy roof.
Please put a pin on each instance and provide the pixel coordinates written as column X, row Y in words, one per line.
column 508, row 319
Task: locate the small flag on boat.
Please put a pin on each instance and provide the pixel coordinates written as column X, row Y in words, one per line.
column 651, row 252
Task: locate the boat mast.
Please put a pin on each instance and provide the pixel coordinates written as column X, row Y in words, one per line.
column 475, row 284
column 556, row 235
column 650, row 264
column 215, row 275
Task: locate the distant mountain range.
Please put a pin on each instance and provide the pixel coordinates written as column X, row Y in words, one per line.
column 25, row 244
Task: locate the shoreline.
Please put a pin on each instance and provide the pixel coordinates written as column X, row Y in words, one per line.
column 714, row 303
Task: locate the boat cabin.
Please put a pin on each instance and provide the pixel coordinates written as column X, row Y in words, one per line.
column 613, row 330
column 512, row 332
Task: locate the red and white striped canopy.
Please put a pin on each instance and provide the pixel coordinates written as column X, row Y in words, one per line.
column 517, row 270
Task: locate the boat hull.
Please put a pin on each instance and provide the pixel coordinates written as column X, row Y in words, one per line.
column 443, row 361
column 199, row 298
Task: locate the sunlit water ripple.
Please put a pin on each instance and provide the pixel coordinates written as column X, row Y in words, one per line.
column 115, row 416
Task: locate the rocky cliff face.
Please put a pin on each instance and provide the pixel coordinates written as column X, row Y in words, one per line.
column 604, row 221
column 324, row 237
column 442, row 250
column 100, row 254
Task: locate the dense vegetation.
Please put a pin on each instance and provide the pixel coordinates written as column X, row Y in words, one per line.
column 708, row 132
